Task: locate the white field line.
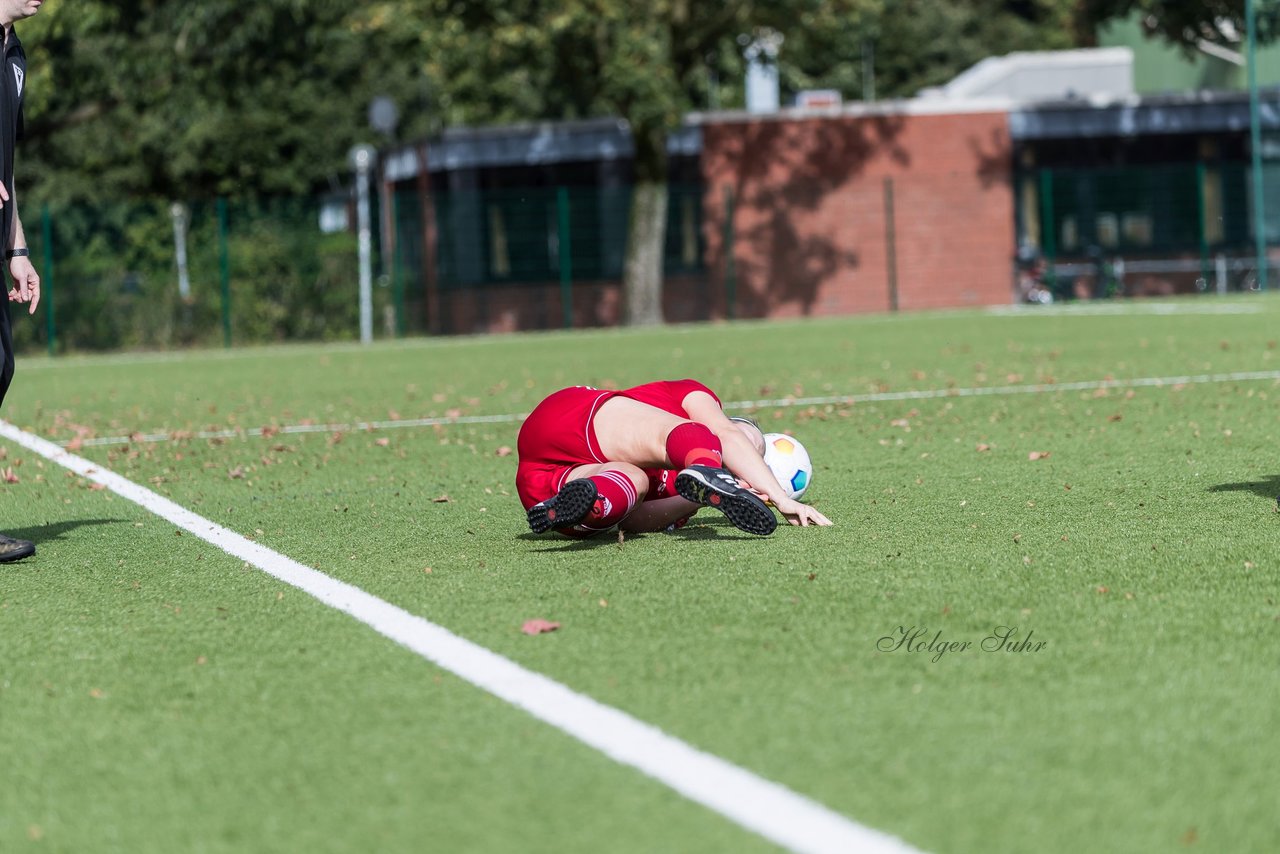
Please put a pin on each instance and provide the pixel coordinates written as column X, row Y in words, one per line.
column 1121, row 309
column 766, row 808
column 920, row 394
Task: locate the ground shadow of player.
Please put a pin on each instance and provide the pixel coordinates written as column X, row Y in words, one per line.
column 711, row 529
column 1268, row 487
column 40, row 534
column 569, row 544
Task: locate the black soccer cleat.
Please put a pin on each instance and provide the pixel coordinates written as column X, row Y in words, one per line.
column 718, row 489
column 13, row 549
column 566, row 508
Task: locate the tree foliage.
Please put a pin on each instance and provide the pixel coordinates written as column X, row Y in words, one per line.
column 183, row 99
column 1186, row 22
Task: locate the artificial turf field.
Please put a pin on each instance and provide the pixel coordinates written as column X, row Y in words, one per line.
column 159, row 695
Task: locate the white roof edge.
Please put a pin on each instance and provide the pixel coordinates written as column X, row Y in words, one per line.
column 994, row 68
column 858, row 109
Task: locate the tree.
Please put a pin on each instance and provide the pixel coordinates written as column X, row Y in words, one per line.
column 1184, row 22
column 180, row 100
column 646, row 63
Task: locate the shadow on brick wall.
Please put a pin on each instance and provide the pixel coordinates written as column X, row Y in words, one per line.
column 780, row 176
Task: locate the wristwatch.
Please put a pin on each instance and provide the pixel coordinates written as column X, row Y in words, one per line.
column 15, row 253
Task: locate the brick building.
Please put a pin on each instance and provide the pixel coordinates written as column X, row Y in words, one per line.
column 859, row 208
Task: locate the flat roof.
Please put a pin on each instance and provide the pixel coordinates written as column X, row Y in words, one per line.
column 532, row 144
column 1145, row 115
column 598, row 140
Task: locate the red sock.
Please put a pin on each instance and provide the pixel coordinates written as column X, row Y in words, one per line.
column 693, row 444
column 618, row 497
column 662, row 483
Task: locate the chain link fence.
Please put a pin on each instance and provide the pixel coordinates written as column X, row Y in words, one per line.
column 158, row 276
column 1142, row 230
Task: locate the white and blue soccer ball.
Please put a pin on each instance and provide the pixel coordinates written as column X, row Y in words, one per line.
column 789, row 462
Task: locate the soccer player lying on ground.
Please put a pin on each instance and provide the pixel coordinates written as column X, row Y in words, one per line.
column 644, row 459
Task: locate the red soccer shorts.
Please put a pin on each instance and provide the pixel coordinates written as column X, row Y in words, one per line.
column 556, row 438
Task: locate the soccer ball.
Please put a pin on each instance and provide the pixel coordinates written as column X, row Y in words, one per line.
column 789, row 462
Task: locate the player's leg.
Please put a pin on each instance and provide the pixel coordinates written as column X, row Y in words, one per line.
column 593, row 499
column 663, row 514
column 629, row 430
column 662, row 508
column 645, row 435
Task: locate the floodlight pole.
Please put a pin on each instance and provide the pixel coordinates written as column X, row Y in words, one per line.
column 1255, row 145
column 179, row 213
column 362, row 160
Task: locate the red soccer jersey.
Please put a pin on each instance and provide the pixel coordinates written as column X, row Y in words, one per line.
column 667, row 395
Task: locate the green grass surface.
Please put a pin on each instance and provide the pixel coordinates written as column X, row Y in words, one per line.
column 156, row 695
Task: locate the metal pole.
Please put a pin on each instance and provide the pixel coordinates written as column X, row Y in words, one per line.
column 1255, row 144
column 1202, row 223
column 224, row 270
column 397, row 271
column 1047, row 227
column 868, row 70
column 46, row 281
column 565, row 257
column 890, row 244
column 179, row 214
column 730, row 281
column 362, row 158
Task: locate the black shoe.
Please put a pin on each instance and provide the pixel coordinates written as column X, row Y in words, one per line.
column 566, row 508
column 718, row 489
column 11, row 549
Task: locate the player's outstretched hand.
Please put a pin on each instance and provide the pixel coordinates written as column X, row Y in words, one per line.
column 800, row 514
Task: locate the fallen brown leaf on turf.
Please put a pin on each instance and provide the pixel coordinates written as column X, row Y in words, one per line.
column 9, row 476
column 504, row 451
column 382, row 443
column 538, row 627
column 443, row 499
column 983, row 446
column 1038, row 455
column 236, row 473
column 75, row 444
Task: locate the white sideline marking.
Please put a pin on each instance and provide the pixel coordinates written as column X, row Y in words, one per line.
column 921, row 394
column 1121, row 309
column 769, row 809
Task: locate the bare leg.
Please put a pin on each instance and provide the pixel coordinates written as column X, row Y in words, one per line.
column 658, row 514
column 635, row 432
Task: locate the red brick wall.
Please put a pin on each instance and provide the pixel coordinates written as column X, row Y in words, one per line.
column 809, row 224
column 539, row 305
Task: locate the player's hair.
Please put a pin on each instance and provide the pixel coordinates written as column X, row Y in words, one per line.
column 745, row 420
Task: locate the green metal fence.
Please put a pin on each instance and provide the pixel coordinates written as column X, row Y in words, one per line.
column 1144, row 230
column 257, row 272
column 538, row 257
column 266, row 270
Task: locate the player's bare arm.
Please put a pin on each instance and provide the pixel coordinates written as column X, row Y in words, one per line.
column 743, row 458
